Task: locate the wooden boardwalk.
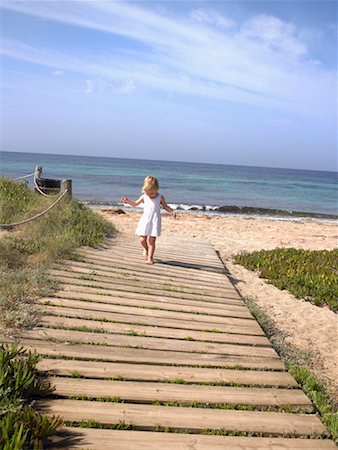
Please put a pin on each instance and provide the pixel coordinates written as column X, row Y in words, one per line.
column 170, row 347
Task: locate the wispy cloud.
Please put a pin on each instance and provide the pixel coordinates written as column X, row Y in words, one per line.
column 89, row 86
column 262, row 62
column 127, row 87
column 211, row 18
column 275, row 33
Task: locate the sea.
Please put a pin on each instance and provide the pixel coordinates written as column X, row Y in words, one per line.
column 200, row 188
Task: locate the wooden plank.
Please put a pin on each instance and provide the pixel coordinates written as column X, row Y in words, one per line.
column 195, row 420
column 145, row 372
column 222, row 280
column 149, row 392
column 172, row 268
column 69, row 300
column 136, row 255
column 143, row 356
column 180, row 299
column 147, row 280
column 95, row 439
column 108, row 269
column 144, row 293
column 189, row 325
column 170, row 304
column 141, row 285
column 212, row 262
column 225, row 302
column 113, row 272
column 153, row 331
column 176, row 345
column 187, row 254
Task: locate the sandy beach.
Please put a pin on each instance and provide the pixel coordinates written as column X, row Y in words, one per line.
column 309, row 331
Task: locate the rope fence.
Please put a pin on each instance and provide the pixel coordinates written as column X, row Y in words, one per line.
column 40, row 191
column 67, row 184
column 14, row 224
column 25, row 176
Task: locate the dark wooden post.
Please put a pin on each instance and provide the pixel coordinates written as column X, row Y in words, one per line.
column 67, row 184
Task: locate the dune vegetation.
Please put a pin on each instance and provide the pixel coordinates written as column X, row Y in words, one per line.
column 28, row 251
column 308, row 274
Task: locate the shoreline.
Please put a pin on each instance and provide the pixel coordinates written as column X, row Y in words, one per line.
column 222, row 211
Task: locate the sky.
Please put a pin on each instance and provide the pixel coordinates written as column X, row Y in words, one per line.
column 231, row 82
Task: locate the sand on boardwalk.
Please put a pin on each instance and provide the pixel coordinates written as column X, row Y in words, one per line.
column 310, row 330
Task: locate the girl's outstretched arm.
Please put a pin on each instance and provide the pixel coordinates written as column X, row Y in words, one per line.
column 166, row 207
column 131, row 202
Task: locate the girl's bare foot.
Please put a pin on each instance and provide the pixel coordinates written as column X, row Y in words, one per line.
column 150, row 261
column 145, row 254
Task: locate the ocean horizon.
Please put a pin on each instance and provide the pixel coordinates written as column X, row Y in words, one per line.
column 187, row 186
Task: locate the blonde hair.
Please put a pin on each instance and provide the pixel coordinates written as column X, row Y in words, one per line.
column 150, row 184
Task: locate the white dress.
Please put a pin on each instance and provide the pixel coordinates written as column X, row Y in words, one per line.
column 150, row 222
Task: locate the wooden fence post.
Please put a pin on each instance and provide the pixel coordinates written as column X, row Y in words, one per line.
column 37, row 175
column 38, row 171
column 67, row 184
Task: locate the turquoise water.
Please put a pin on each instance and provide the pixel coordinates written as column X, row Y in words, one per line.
column 101, row 181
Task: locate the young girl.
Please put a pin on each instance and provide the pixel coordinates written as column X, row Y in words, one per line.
column 149, row 226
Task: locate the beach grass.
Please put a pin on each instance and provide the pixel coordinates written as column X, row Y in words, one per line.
column 29, row 250
column 308, row 274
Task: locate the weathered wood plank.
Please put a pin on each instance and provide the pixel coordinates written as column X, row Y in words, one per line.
column 144, row 356
column 173, row 267
column 118, row 340
column 169, row 303
column 73, row 300
column 212, row 262
column 144, row 372
column 146, row 280
column 203, row 302
column 111, row 271
column 195, row 420
column 149, row 392
column 95, row 439
column 79, row 268
column 172, row 290
column 176, row 297
column 145, row 320
column 152, row 331
column 136, row 255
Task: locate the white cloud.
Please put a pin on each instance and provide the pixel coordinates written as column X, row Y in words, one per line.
column 264, row 62
column 58, row 73
column 276, row 33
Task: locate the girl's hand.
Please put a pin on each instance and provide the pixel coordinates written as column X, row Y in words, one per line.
column 124, row 199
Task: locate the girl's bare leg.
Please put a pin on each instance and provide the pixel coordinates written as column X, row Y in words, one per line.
column 144, row 243
column 151, row 249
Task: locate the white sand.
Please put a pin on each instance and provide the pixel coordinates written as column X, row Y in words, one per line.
column 311, row 331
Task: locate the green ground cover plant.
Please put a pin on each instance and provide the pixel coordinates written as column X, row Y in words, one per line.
column 21, row 427
column 320, row 394
column 29, row 250
column 308, row 274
